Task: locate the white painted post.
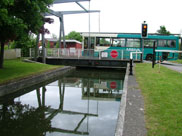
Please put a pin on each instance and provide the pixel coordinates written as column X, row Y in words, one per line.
column 45, row 52
column 52, row 53
column 78, row 53
column 67, row 52
column 122, row 55
column 136, row 55
column 131, row 55
column 99, row 54
column 30, row 52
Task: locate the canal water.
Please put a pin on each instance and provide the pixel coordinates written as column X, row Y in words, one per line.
column 85, row 102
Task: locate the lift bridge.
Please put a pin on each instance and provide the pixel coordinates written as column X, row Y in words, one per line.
column 77, row 57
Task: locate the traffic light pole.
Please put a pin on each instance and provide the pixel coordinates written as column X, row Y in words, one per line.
column 144, row 34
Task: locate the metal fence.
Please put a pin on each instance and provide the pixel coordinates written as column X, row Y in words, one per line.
column 81, row 54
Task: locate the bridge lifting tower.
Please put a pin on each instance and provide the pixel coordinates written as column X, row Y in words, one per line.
column 60, row 15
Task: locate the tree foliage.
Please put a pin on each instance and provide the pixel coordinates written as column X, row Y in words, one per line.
column 57, row 44
column 73, row 35
column 18, row 18
column 163, row 30
column 23, row 120
column 48, row 45
column 25, row 43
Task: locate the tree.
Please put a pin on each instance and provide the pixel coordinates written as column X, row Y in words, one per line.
column 23, row 120
column 48, row 45
column 74, row 36
column 57, row 44
column 163, row 30
column 18, row 18
column 25, row 44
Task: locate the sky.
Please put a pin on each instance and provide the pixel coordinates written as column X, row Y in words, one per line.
column 123, row 16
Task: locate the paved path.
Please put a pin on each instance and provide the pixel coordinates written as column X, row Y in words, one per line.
column 170, row 65
column 134, row 124
column 173, row 66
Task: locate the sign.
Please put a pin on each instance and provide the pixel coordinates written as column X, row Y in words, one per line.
column 133, row 49
column 104, row 54
column 102, row 85
column 113, row 85
column 114, row 54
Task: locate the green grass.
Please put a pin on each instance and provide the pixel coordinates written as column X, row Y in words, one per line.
column 16, row 69
column 163, row 99
column 179, row 61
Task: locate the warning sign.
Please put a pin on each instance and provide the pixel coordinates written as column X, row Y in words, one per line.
column 114, row 54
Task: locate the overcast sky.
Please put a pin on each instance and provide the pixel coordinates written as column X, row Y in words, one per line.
column 121, row 16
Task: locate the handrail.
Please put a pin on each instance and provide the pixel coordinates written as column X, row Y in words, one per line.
column 80, row 53
column 131, row 54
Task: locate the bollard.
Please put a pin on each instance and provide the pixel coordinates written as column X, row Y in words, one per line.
column 131, row 67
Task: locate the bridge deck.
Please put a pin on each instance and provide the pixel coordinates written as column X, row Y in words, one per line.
column 88, row 62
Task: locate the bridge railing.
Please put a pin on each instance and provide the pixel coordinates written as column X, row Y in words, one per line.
column 66, row 52
column 88, row 54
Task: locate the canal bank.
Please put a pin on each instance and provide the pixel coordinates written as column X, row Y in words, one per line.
column 131, row 121
column 21, row 84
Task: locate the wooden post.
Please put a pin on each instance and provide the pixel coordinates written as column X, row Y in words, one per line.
column 153, row 60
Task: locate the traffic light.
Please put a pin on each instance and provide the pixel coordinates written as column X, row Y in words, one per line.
column 144, row 30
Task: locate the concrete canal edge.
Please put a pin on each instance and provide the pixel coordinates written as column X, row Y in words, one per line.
column 121, row 115
column 13, row 87
column 131, row 119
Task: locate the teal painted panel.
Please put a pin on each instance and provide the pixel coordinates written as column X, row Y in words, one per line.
column 170, row 37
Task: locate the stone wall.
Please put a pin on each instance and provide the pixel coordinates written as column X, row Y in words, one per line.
column 12, row 53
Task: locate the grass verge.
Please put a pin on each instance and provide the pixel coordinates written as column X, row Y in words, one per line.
column 163, row 99
column 179, row 61
column 16, row 69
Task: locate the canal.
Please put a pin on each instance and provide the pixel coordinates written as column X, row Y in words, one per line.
column 84, row 102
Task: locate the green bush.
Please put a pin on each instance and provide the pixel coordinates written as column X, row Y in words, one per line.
column 25, row 44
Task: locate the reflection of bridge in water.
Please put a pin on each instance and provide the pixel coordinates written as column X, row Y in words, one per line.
column 97, row 87
column 48, row 112
column 51, row 113
column 101, row 84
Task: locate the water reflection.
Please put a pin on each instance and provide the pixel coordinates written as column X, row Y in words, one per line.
column 86, row 102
